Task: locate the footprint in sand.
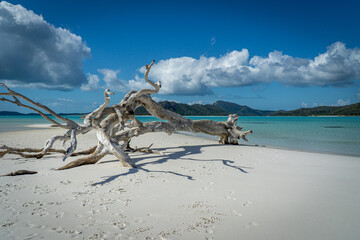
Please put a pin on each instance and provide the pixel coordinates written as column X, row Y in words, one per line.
column 210, row 231
column 120, row 225
column 236, row 213
column 65, row 182
column 30, row 225
column 207, row 189
column 40, row 213
column 126, row 202
column 39, row 208
column 59, row 214
column 58, row 229
column 247, row 204
column 138, row 220
column 27, row 204
column 43, row 190
column 31, row 236
column 251, row 224
column 94, row 211
column 230, row 198
column 8, row 224
column 117, row 190
column 73, row 233
column 118, row 215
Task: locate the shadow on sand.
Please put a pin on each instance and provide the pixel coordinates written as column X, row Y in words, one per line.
column 182, row 153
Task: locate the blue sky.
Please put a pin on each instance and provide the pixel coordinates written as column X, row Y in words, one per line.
column 264, row 54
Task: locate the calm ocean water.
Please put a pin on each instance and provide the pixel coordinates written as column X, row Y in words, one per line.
column 339, row 135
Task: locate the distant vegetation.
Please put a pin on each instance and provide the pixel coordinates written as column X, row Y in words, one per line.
column 11, row 113
column 348, row 110
column 188, row 110
column 240, row 110
column 222, row 108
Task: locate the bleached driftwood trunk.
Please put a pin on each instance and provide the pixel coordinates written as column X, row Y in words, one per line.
column 116, row 125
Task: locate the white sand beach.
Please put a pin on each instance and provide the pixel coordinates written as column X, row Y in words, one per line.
column 197, row 189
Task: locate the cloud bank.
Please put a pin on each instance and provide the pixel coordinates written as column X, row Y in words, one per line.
column 34, row 53
column 338, row 67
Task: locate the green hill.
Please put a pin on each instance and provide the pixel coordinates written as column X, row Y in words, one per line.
column 240, row 110
column 348, row 110
column 188, row 110
column 220, row 108
column 10, row 113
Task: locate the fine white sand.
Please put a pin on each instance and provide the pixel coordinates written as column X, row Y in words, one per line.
column 197, row 190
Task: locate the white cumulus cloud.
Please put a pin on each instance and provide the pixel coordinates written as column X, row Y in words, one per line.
column 92, row 83
column 189, row 76
column 112, row 81
column 341, row 102
column 304, row 105
column 34, row 53
column 338, row 66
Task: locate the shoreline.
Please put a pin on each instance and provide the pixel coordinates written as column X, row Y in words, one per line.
column 34, row 127
column 197, row 189
column 334, row 135
column 249, row 144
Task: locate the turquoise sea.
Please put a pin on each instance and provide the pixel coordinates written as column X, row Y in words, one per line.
column 338, row 135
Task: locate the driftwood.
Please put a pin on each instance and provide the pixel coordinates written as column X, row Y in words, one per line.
column 39, row 152
column 20, row 172
column 117, row 125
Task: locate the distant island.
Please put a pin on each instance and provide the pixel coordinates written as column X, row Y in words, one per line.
column 222, row 108
column 13, row 113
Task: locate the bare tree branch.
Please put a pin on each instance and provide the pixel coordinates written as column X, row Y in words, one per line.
column 116, row 125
